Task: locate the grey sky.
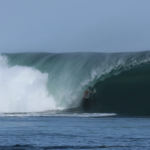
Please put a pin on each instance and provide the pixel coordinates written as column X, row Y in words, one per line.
column 74, row 25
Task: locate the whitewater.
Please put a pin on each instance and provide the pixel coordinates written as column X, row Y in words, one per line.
column 41, row 105
column 36, row 82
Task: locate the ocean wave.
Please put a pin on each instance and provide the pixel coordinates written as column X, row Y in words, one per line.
column 45, row 81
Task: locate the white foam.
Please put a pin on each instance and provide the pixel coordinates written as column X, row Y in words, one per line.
column 50, row 114
column 23, row 89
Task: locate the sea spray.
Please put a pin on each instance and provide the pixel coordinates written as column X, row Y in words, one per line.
column 23, row 89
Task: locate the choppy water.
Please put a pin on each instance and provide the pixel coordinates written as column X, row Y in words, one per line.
column 79, row 132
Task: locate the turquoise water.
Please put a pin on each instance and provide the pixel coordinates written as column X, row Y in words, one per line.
column 36, row 82
column 41, row 105
column 78, row 132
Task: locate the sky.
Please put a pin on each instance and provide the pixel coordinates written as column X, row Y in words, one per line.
column 74, row 26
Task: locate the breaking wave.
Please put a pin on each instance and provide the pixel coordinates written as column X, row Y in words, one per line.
column 32, row 82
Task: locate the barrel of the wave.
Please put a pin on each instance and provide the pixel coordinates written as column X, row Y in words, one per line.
column 125, row 93
column 88, row 99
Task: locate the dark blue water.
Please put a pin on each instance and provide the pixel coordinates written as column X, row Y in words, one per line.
column 66, row 132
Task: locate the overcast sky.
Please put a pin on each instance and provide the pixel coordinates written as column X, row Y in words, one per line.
column 74, row 25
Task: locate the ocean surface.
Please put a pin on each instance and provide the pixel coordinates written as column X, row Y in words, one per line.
column 42, row 107
column 76, row 131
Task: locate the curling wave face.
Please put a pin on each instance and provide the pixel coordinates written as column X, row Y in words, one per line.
column 42, row 81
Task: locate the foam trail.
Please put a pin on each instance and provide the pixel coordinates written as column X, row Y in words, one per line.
column 23, row 89
column 44, row 114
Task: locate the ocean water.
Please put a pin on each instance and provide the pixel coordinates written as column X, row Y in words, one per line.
column 42, row 107
column 80, row 131
column 35, row 82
